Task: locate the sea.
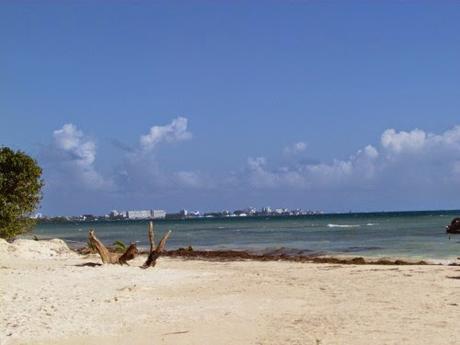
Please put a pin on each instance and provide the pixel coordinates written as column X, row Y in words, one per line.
column 414, row 235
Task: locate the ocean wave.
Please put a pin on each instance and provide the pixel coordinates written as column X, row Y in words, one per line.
column 372, row 224
column 343, row 225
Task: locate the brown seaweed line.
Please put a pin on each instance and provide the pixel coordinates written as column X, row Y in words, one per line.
column 237, row 255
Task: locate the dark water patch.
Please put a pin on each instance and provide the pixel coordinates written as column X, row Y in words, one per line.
column 357, row 249
column 284, row 251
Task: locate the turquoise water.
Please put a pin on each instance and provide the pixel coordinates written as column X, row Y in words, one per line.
column 398, row 234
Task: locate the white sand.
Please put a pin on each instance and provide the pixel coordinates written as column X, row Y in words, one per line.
column 46, row 299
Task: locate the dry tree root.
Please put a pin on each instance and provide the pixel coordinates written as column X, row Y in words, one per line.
column 155, row 251
column 112, row 258
column 130, row 253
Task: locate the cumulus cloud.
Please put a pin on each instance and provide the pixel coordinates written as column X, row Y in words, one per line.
column 402, row 141
column 142, row 172
column 313, row 175
column 173, row 132
column 418, row 141
column 70, row 141
column 406, row 159
column 431, row 158
column 369, row 151
column 259, row 175
column 402, row 162
column 295, row 148
column 70, row 160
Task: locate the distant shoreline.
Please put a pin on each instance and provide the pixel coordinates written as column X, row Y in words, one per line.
column 61, row 219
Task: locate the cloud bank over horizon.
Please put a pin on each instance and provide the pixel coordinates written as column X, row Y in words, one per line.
column 414, row 159
column 405, row 169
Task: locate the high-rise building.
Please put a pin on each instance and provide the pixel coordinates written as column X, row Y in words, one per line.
column 141, row 214
column 266, row 210
column 158, row 214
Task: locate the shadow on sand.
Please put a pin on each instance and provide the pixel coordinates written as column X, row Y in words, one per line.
column 89, row 264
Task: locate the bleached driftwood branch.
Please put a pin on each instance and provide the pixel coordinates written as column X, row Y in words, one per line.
column 155, row 251
column 131, row 252
column 151, row 237
column 112, row 258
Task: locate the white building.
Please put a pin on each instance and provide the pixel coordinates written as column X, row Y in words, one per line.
column 114, row 213
column 158, row 214
column 141, row 214
column 266, row 210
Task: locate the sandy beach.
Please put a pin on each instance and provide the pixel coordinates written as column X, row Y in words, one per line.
column 47, row 296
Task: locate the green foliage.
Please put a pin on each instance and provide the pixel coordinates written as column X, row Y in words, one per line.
column 20, row 191
column 119, row 246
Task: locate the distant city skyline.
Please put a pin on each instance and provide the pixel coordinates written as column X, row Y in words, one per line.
column 212, row 106
column 155, row 214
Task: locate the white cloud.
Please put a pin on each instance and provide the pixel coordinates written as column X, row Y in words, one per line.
column 295, row 148
column 71, row 140
column 72, row 158
column 431, row 159
column 401, row 165
column 141, row 171
column 450, row 138
column 418, row 141
column 410, row 159
column 173, row 132
column 259, row 176
column 399, row 142
column 370, row 151
column 256, row 163
column 318, row 175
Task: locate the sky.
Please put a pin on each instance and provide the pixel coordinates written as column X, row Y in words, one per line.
column 212, row 105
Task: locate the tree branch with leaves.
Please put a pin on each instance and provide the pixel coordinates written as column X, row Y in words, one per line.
column 20, row 192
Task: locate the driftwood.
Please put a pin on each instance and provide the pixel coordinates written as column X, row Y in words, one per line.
column 155, row 251
column 131, row 252
column 112, row 258
column 151, row 237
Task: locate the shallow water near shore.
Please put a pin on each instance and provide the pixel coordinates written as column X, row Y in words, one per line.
column 419, row 235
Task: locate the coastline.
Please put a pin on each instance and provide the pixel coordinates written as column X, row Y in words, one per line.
column 405, row 235
column 49, row 295
column 283, row 255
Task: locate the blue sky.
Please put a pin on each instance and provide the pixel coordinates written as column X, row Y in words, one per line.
column 322, row 105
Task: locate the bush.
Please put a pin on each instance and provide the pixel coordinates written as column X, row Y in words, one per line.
column 20, row 191
column 119, row 246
